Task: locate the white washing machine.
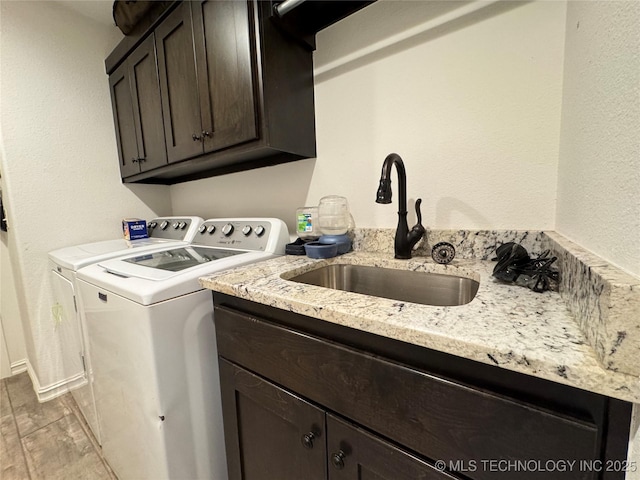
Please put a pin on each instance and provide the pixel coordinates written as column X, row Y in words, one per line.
column 68, row 320
column 153, row 347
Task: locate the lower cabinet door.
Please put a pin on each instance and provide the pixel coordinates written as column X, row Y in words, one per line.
column 269, row 432
column 357, row 454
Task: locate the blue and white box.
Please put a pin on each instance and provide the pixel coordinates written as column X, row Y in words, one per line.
column 134, row 229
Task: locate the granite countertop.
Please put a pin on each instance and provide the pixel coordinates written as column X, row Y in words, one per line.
column 505, row 325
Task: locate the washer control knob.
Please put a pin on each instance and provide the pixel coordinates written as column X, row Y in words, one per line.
column 152, row 225
column 164, row 225
column 211, row 229
column 202, row 228
column 246, row 230
column 182, row 225
column 259, row 230
column 227, row 229
column 175, row 225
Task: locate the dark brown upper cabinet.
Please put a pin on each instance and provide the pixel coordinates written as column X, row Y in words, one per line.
column 236, row 91
column 137, row 113
column 208, row 99
column 178, row 78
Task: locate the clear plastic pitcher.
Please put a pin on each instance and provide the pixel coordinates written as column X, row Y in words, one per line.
column 333, row 215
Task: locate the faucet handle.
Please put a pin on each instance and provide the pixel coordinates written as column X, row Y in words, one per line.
column 418, row 230
column 419, row 215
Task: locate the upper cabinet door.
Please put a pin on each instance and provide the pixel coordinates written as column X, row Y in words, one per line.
column 178, row 84
column 147, row 108
column 224, row 44
column 235, row 93
column 124, row 121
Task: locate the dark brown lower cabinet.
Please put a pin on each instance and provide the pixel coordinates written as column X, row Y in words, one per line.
column 306, row 399
column 232, row 92
column 278, row 435
column 355, row 454
column 270, row 433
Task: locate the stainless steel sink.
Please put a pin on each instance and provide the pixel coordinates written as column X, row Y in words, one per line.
column 403, row 285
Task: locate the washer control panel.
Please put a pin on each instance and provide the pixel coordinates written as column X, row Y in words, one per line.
column 244, row 234
column 173, row 228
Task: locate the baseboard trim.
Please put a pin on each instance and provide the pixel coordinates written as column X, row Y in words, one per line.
column 19, row 367
column 49, row 392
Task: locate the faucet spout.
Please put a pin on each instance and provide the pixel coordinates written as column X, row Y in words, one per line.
column 405, row 240
column 384, row 190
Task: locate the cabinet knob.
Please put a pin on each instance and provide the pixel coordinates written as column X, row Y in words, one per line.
column 134, row 160
column 307, row 440
column 142, row 159
column 196, row 138
column 205, row 133
column 337, row 459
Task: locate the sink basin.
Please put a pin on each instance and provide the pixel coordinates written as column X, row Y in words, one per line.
column 403, row 285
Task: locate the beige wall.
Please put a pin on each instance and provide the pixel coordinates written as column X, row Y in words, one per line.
column 12, row 344
column 599, row 171
column 468, row 93
column 13, row 352
column 59, row 166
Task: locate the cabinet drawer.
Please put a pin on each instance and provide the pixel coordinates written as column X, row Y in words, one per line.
column 432, row 416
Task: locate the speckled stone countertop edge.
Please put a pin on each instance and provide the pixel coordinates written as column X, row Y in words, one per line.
column 604, row 300
column 529, row 333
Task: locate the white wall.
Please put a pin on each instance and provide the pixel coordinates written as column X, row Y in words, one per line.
column 60, row 168
column 599, row 171
column 12, row 344
column 470, row 97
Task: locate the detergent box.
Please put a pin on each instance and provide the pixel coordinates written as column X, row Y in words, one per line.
column 134, row 228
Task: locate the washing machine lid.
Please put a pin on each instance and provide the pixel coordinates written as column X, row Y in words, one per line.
column 164, row 264
column 163, row 231
column 78, row 256
column 146, row 285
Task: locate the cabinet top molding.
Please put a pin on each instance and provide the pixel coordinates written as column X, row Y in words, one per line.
column 302, row 22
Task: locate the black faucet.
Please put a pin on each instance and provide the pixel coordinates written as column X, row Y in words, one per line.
column 405, row 239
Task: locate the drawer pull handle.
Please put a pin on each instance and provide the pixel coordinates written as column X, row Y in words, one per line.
column 338, row 459
column 307, row 440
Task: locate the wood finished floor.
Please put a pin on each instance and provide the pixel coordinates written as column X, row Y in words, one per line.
column 48, row 440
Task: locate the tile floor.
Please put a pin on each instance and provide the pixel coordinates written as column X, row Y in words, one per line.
column 48, row 440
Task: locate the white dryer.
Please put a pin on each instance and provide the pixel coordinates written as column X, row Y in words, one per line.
column 68, row 319
column 152, row 337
